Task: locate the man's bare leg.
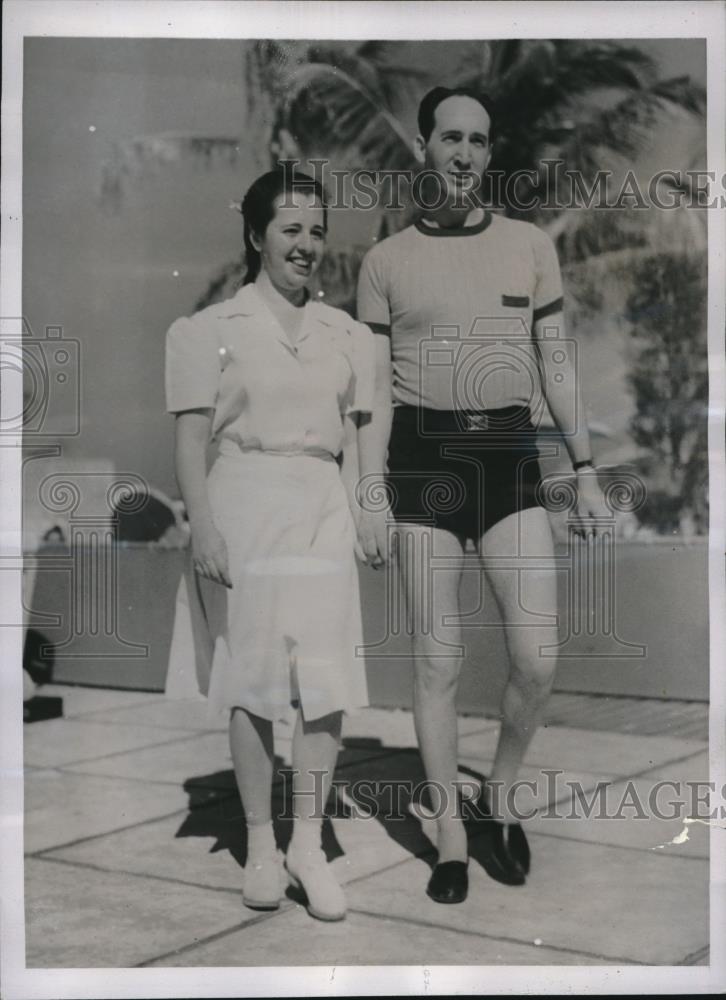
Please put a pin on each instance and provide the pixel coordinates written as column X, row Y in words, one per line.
column 523, row 596
column 430, row 596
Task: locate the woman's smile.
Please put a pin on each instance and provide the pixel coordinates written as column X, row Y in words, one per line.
column 293, row 244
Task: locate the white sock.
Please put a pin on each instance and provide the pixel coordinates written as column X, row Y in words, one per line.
column 260, row 840
column 306, row 836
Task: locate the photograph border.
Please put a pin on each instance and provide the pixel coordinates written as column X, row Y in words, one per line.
column 333, row 19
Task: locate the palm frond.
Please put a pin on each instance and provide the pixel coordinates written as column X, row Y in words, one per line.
column 583, row 67
column 339, row 109
column 681, row 92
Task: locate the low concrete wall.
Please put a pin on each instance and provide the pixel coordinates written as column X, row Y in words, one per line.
column 658, row 649
column 660, row 604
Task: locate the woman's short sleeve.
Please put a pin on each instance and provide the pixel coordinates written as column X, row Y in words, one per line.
column 363, row 362
column 192, row 367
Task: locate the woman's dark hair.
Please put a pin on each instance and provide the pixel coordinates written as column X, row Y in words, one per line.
column 429, row 104
column 258, row 207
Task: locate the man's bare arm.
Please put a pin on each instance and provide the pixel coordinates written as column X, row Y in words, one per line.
column 563, row 392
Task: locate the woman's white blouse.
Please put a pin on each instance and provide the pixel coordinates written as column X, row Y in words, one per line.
column 268, row 394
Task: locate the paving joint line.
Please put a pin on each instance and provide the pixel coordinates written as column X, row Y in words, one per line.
column 119, row 829
column 217, row 936
column 96, row 711
column 616, row 959
column 120, row 753
column 66, row 765
column 198, row 730
column 667, row 763
column 125, row 872
column 139, row 781
column 613, row 774
column 619, row 847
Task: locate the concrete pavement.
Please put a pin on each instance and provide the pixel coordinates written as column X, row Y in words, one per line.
column 135, row 848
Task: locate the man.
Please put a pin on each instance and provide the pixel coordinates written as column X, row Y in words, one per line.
column 467, row 307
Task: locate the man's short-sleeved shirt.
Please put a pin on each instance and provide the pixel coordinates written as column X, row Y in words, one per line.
column 461, row 304
column 268, row 394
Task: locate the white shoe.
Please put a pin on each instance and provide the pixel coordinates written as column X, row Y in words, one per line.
column 311, row 872
column 263, row 882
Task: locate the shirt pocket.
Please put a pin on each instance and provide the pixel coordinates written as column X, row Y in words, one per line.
column 516, row 301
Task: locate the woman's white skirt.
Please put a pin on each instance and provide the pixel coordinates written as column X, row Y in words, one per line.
column 290, row 629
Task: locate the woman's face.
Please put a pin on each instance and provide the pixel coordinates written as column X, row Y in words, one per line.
column 294, row 241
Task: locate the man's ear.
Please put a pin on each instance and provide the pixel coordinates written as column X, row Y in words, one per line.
column 419, row 149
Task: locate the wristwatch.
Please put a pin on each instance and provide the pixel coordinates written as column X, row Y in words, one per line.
column 582, row 464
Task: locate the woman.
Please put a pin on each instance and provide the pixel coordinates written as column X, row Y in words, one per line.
column 273, row 614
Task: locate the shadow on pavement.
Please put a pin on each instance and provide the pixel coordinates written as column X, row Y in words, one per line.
column 371, row 781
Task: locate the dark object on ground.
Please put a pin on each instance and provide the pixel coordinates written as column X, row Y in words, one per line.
column 42, row 707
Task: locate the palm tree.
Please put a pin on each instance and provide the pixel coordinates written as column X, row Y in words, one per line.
column 586, row 102
column 582, row 101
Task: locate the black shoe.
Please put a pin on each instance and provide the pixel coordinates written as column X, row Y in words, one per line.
column 449, row 882
column 494, row 853
column 501, row 848
column 518, row 846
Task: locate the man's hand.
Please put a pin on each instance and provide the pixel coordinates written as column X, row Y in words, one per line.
column 209, row 554
column 591, row 508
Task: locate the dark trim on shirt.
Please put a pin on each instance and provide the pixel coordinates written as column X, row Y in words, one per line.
column 548, row 310
column 454, row 230
column 383, row 329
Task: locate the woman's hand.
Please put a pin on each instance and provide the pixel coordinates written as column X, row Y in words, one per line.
column 209, row 554
column 373, row 540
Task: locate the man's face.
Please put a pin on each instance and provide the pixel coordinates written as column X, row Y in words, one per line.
column 458, row 147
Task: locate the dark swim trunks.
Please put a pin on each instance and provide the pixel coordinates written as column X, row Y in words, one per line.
column 462, row 470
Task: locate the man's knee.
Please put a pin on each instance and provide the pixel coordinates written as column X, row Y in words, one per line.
column 437, row 675
column 534, row 675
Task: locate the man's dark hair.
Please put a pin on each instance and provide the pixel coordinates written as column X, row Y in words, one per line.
column 428, row 106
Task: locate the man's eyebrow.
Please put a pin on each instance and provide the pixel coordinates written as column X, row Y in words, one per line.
column 477, row 134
